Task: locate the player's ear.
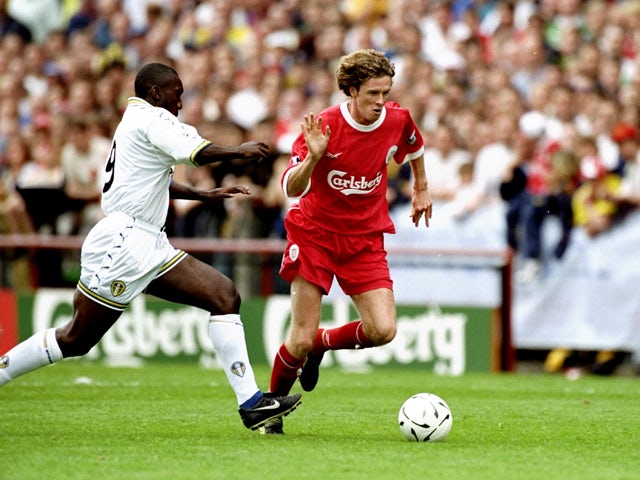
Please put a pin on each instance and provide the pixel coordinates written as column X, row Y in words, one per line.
column 155, row 92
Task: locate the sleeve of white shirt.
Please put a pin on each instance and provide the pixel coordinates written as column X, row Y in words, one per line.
column 177, row 140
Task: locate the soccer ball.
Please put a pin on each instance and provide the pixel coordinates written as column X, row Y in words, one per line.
column 425, row 417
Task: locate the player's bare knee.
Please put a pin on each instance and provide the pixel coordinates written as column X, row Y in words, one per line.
column 382, row 336
column 228, row 301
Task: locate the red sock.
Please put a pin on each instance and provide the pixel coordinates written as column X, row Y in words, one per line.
column 318, row 344
column 346, row 337
column 285, row 371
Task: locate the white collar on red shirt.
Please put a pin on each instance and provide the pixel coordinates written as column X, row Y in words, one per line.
column 344, row 109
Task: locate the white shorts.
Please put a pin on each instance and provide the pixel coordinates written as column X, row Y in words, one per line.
column 121, row 256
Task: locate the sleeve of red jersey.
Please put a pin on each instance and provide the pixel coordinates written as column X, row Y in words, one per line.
column 412, row 144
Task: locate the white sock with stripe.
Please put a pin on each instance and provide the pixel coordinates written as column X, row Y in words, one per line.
column 36, row 351
column 227, row 337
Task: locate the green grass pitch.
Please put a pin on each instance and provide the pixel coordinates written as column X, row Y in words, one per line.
column 82, row 420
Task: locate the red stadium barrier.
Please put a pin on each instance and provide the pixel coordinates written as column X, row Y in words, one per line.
column 8, row 320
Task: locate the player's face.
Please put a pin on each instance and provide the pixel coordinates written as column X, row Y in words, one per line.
column 368, row 101
column 170, row 96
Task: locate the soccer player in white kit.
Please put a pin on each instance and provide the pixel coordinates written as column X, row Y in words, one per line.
column 127, row 252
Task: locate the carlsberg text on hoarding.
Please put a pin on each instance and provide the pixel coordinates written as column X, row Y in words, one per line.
column 446, row 340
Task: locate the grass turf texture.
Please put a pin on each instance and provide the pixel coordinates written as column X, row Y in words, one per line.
column 180, row 422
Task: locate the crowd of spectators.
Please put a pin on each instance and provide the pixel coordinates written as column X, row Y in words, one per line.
column 520, row 102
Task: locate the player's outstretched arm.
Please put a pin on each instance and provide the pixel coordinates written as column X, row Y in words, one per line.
column 251, row 151
column 182, row 191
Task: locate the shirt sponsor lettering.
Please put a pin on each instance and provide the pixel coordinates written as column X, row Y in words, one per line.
column 350, row 185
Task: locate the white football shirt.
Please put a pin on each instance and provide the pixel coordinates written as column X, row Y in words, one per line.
column 147, row 144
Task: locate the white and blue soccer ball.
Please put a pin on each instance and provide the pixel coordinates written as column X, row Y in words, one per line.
column 425, row 417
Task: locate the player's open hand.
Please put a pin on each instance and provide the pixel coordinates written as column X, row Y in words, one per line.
column 421, row 206
column 253, row 151
column 316, row 139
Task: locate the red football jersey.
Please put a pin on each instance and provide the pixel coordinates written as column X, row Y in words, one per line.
column 347, row 191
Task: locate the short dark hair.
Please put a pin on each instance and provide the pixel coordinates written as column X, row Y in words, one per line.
column 152, row 74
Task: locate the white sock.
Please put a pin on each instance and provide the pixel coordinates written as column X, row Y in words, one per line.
column 36, row 351
column 227, row 336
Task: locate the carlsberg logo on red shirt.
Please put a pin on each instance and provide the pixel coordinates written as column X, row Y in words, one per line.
column 350, row 185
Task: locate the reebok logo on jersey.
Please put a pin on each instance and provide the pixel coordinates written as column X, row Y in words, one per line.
column 238, row 368
column 4, row 361
column 349, row 185
column 333, row 155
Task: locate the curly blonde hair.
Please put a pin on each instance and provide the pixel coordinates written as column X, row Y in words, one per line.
column 361, row 65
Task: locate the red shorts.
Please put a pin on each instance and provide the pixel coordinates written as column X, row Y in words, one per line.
column 358, row 262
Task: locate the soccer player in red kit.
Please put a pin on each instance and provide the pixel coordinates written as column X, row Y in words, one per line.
column 338, row 171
